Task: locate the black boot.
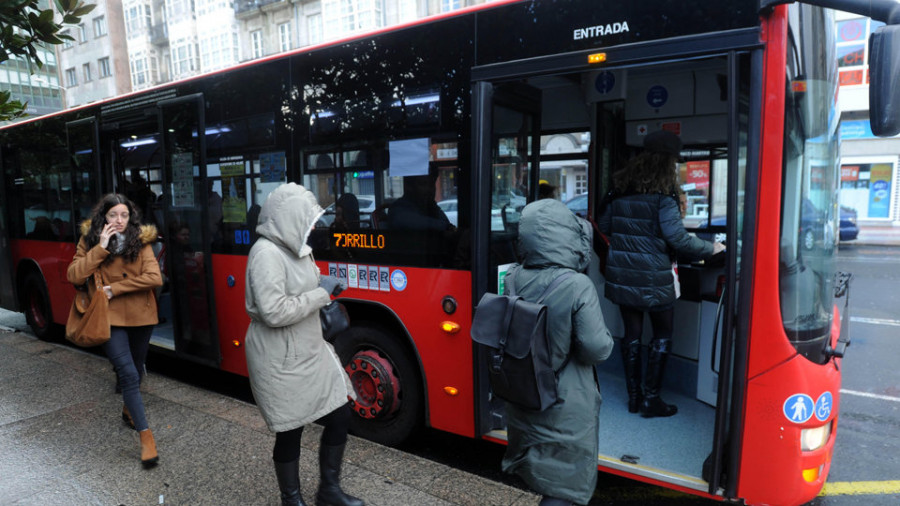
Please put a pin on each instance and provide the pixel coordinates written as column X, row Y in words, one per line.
column 288, row 474
column 631, row 361
column 653, row 405
column 330, row 493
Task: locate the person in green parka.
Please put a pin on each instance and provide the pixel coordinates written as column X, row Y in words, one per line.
column 555, row 450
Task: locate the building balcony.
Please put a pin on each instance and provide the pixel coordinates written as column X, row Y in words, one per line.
column 159, row 34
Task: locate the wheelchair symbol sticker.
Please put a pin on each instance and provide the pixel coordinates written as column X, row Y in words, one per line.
column 798, row 408
column 823, row 406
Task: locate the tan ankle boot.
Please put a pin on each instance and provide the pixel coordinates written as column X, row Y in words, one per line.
column 149, row 457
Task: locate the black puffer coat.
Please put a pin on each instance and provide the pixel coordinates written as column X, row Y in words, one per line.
column 645, row 231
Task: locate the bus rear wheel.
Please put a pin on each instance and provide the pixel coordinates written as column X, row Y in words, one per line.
column 36, row 304
column 388, row 405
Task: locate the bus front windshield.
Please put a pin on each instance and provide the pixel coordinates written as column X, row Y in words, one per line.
column 809, row 212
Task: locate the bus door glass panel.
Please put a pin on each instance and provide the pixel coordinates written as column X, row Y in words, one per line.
column 85, row 163
column 137, row 171
column 515, row 132
column 564, row 169
column 7, row 294
column 193, row 220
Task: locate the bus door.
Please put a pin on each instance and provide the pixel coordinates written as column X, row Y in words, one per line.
column 82, row 138
column 187, row 220
column 7, row 291
column 508, row 119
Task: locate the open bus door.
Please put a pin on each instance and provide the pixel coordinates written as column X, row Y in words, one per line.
column 188, row 221
column 708, row 101
column 508, row 130
column 82, row 139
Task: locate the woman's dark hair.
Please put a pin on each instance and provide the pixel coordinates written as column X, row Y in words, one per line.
column 649, row 172
column 132, row 231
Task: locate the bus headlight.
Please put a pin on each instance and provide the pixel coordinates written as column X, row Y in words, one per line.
column 815, row 438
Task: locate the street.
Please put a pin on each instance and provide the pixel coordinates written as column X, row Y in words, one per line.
column 866, row 464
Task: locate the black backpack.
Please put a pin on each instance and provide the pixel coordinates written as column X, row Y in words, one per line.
column 514, row 332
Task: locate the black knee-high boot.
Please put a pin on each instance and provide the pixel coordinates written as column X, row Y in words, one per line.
column 631, row 361
column 288, row 474
column 653, row 405
column 330, row 493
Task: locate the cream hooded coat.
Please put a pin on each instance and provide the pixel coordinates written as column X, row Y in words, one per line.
column 295, row 375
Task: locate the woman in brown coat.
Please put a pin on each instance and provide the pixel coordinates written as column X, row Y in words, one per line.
column 114, row 242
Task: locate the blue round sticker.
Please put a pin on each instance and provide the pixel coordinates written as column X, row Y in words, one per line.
column 798, row 408
column 605, row 82
column 398, row 280
column 823, row 406
column 657, row 96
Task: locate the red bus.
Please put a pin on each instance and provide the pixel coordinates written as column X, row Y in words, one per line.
column 515, row 95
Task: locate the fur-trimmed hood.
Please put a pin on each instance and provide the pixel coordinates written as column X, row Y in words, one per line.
column 148, row 232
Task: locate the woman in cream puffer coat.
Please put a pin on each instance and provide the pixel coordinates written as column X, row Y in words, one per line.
column 295, row 375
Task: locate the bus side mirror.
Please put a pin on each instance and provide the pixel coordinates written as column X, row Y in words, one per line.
column 884, row 88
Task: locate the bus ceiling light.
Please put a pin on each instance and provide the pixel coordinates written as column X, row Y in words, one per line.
column 597, row 58
column 814, row 438
column 450, row 327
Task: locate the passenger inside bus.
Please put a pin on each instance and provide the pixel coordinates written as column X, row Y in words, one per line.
column 417, row 209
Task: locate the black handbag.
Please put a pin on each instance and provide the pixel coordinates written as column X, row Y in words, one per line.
column 334, row 319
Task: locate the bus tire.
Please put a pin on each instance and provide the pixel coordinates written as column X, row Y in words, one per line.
column 36, row 305
column 389, row 404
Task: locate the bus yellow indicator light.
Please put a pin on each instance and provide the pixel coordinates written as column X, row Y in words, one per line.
column 597, row 58
column 451, row 391
column 236, row 343
column 450, row 327
column 811, row 475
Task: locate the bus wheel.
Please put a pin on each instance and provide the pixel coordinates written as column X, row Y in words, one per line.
column 36, row 304
column 388, row 403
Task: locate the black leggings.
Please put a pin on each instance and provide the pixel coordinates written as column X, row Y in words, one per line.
column 633, row 319
column 337, row 423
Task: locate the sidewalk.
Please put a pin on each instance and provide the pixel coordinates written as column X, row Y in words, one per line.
column 877, row 236
column 63, row 443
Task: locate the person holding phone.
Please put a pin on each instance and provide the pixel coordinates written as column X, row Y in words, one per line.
column 114, row 242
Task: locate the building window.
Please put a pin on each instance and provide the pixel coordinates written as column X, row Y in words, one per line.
column 256, row 41
column 82, row 34
column 345, row 17
column 99, row 26
column 139, row 71
column 103, row 65
column 314, row 26
column 66, row 42
column 450, row 5
column 284, row 36
column 184, row 59
column 71, row 77
column 86, row 71
column 137, row 20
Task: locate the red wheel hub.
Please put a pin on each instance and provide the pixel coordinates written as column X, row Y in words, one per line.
column 377, row 387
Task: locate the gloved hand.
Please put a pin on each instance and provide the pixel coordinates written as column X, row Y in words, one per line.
column 332, row 285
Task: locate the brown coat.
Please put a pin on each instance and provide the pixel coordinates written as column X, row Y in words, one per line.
column 133, row 303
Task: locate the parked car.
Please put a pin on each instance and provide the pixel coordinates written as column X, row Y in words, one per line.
column 449, row 208
column 849, row 230
column 578, row 205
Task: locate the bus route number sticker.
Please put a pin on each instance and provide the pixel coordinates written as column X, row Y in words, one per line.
column 798, row 408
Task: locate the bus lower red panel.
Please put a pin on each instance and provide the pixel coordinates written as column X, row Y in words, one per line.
column 53, row 259
column 795, row 395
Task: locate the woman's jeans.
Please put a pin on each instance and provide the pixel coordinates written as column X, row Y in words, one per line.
column 127, row 350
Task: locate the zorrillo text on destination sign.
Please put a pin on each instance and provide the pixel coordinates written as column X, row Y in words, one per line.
column 592, row 32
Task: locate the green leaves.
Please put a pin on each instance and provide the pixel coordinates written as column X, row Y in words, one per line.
column 23, row 26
